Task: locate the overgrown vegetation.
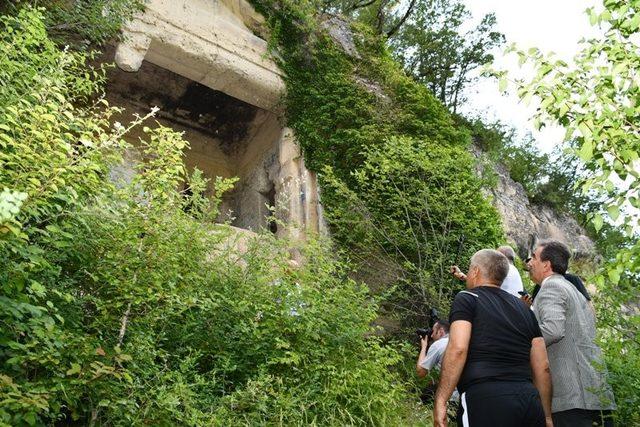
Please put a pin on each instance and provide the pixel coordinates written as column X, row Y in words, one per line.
column 81, row 23
column 119, row 308
column 395, row 170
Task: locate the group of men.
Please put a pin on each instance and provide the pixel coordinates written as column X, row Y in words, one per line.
column 516, row 361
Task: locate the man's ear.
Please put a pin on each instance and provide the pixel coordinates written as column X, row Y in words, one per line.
column 473, row 270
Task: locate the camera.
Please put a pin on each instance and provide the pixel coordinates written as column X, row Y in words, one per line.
column 433, row 318
column 424, row 332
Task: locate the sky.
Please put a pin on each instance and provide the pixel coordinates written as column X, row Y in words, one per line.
column 551, row 25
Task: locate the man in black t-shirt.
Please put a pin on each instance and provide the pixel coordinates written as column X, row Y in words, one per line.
column 496, row 354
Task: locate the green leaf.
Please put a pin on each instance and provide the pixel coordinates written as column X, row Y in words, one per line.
column 597, row 221
column 502, row 83
column 586, row 151
column 599, row 279
column 614, row 212
column 609, row 186
column 564, row 109
column 75, row 369
column 593, row 16
column 30, row 418
column 584, row 129
column 37, row 289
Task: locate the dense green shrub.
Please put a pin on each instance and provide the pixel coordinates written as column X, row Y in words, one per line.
column 56, row 156
column 406, row 212
column 619, row 340
column 618, row 317
column 121, row 307
column 81, row 23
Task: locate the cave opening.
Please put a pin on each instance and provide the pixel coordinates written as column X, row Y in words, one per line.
column 228, row 137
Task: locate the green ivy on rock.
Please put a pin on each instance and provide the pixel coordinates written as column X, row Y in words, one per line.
column 390, row 156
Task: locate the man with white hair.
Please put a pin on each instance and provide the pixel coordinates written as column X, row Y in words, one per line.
column 512, row 283
column 496, row 354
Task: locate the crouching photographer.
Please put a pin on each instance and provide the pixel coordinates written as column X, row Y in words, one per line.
column 433, row 344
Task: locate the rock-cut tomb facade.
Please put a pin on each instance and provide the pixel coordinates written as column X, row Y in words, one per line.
column 205, row 64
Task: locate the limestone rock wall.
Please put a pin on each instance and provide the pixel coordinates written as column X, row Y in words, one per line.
column 212, row 42
column 205, row 64
column 524, row 221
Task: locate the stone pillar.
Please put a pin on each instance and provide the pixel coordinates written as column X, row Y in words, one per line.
column 287, row 184
column 297, row 197
column 132, row 50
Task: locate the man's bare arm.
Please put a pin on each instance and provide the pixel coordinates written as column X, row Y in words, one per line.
column 452, row 365
column 542, row 374
column 420, row 371
column 457, row 273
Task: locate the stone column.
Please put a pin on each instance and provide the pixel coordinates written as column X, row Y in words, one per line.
column 297, row 196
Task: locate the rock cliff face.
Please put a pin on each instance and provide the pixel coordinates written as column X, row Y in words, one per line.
column 525, row 222
column 206, row 65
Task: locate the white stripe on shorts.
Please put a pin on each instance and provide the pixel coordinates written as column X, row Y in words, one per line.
column 465, row 414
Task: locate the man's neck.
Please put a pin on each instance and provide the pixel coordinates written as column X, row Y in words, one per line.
column 442, row 337
column 545, row 278
column 485, row 284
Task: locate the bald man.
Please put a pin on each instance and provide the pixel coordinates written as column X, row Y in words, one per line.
column 496, row 354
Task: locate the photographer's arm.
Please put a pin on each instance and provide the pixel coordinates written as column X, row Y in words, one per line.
column 420, row 371
column 452, row 366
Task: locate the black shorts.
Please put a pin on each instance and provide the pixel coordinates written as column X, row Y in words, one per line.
column 501, row 404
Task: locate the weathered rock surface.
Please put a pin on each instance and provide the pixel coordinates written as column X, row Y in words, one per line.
column 212, row 42
column 340, row 32
column 523, row 220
